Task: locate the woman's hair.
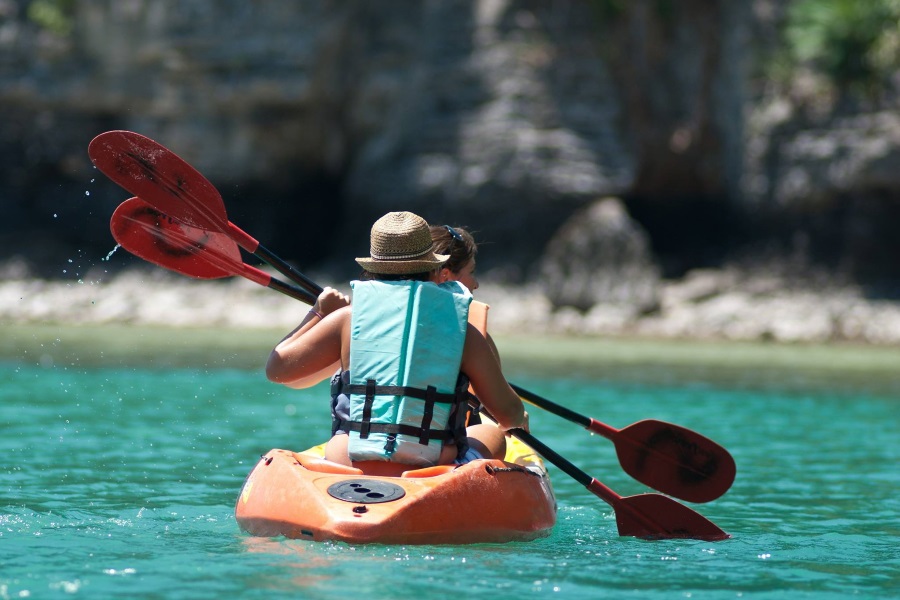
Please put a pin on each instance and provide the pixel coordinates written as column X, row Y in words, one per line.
column 455, row 241
column 367, row 276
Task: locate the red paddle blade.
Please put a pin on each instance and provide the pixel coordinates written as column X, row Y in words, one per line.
column 652, row 516
column 160, row 177
column 149, row 234
column 675, row 460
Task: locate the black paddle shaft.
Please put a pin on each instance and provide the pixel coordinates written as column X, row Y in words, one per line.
column 560, row 462
column 287, row 270
column 549, row 405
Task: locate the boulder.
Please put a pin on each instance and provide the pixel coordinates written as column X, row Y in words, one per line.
column 601, row 256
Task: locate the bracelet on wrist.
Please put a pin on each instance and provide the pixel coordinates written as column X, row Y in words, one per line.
column 313, row 311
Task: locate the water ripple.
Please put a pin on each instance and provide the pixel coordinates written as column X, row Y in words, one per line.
column 121, row 483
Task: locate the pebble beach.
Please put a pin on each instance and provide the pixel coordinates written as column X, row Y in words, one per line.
column 705, row 305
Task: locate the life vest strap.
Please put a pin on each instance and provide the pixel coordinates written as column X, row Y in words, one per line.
column 369, row 391
column 462, row 402
column 397, row 429
column 398, row 390
column 430, row 393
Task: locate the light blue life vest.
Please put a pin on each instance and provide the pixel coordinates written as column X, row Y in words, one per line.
column 406, row 346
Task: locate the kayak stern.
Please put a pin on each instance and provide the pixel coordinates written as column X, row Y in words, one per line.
column 303, row 496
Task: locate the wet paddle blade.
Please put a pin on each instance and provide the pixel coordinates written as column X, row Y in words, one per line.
column 649, row 516
column 675, row 460
column 666, row 457
column 151, row 235
column 168, row 183
column 652, row 516
column 160, row 177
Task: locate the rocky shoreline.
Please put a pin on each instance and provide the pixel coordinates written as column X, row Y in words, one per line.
column 705, row 305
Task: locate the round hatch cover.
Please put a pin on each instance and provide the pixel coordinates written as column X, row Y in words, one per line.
column 366, row 491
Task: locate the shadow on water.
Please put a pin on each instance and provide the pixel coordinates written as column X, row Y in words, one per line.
column 136, row 346
column 834, row 367
column 735, row 365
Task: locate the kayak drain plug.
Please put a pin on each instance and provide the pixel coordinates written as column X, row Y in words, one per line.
column 366, row 491
column 360, row 509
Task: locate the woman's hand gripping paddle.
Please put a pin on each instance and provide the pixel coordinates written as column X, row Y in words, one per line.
column 149, row 234
column 649, row 516
column 162, row 179
column 663, row 456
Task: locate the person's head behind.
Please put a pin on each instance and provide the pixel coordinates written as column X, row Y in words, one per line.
column 401, row 248
column 461, row 247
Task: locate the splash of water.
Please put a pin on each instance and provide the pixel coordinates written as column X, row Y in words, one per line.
column 111, row 252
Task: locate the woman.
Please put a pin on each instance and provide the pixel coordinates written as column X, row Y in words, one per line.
column 399, row 349
column 461, row 247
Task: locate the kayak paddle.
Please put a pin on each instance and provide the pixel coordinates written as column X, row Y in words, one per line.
column 663, row 456
column 164, row 180
column 649, row 516
column 151, row 235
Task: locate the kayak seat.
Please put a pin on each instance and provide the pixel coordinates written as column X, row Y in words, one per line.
column 428, row 471
column 322, row 465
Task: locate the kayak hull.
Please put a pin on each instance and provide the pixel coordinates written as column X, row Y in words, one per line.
column 304, row 496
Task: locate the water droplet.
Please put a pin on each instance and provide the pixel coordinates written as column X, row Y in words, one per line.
column 111, row 252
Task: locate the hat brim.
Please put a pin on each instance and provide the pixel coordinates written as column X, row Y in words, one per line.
column 429, row 262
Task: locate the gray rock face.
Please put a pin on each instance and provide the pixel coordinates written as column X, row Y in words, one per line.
column 498, row 114
column 789, row 165
column 601, row 257
column 834, row 182
column 495, row 114
column 314, row 117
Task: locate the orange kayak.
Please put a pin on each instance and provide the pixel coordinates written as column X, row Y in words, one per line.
column 303, row 496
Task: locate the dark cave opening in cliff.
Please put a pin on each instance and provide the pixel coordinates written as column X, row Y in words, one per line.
column 689, row 232
column 298, row 220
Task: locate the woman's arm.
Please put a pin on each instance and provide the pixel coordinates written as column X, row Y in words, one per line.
column 312, row 351
column 480, row 364
column 311, row 380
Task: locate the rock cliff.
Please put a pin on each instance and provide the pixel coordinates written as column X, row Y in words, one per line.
column 314, row 117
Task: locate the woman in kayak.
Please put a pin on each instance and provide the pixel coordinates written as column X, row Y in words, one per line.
column 399, row 396
column 460, row 246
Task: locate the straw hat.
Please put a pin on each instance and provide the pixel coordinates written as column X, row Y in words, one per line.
column 401, row 244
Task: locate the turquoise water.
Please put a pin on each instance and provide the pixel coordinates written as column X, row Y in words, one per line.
column 121, row 482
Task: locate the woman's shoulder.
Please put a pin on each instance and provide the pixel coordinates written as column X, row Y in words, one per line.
column 475, row 343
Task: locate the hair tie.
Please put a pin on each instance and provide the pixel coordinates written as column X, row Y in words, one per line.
column 454, row 233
